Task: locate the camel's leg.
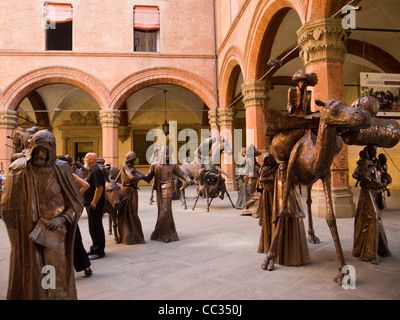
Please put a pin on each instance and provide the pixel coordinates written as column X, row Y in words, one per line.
column 269, row 262
column 312, row 238
column 331, row 221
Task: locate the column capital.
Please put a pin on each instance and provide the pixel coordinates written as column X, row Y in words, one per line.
column 322, row 40
column 212, row 118
column 256, row 93
column 226, row 116
column 8, row 119
column 110, row 118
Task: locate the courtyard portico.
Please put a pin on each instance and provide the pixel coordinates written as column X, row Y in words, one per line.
column 222, row 74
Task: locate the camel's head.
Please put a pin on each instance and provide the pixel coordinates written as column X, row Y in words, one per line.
column 337, row 113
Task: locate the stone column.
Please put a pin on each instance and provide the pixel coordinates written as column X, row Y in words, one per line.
column 109, row 120
column 256, row 99
column 323, row 50
column 212, row 119
column 225, row 120
column 8, row 121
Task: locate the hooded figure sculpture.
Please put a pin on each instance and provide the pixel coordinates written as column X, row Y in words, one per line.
column 41, row 207
column 129, row 225
column 164, row 172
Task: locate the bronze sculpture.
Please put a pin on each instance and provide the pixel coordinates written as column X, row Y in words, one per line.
column 205, row 171
column 299, row 98
column 128, row 222
column 309, row 157
column 386, row 179
column 111, row 206
column 370, row 241
column 252, row 205
column 163, row 173
column 371, row 173
column 265, row 185
column 40, row 207
column 243, row 193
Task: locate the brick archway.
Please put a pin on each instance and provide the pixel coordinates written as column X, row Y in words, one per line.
column 231, row 67
column 25, row 84
column 319, row 9
column 121, row 92
column 266, row 20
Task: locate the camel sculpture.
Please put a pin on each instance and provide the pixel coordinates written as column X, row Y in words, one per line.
column 309, row 157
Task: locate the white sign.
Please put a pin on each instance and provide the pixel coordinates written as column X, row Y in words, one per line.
column 386, row 87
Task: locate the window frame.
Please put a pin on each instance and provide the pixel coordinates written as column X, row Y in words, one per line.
column 157, row 37
column 47, row 28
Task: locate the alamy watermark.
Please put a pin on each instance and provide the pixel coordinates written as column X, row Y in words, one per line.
column 349, row 279
column 49, row 280
column 349, row 20
column 226, row 140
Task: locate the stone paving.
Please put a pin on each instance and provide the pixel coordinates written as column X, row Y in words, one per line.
column 216, row 259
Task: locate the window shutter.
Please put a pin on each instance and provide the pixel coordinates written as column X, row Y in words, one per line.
column 146, row 18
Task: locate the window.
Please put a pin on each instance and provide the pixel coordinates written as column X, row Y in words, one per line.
column 140, row 146
column 81, row 148
column 146, row 23
column 58, row 25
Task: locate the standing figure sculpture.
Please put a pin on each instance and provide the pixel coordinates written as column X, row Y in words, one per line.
column 265, row 185
column 253, row 205
column 164, row 173
column 386, row 179
column 41, row 207
column 128, row 222
column 370, row 241
column 243, row 193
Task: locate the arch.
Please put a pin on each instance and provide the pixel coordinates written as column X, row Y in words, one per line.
column 373, row 54
column 318, row 9
column 142, row 79
column 266, row 21
column 37, row 103
column 232, row 65
column 30, row 81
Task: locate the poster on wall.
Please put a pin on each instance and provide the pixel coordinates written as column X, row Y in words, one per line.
column 386, row 88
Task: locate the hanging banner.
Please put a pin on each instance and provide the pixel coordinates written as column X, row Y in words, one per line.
column 386, row 88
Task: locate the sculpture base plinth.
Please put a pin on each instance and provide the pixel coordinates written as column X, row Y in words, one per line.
column 342, row 200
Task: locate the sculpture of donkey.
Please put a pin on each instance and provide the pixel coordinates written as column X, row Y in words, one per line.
column 194, row 169
column 112, row 205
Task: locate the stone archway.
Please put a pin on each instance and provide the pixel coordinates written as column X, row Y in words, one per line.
column 25, row 84
column 265, row 22
column 140, row 80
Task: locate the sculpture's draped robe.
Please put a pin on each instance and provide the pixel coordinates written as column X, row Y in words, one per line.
column 20, row 212
column 129, row 225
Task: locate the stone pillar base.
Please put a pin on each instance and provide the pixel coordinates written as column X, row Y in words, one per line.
column 342, row 198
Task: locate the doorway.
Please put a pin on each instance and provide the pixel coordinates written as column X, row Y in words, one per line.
column 81, row 148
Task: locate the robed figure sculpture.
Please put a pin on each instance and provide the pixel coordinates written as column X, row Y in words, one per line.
column 41, row 207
